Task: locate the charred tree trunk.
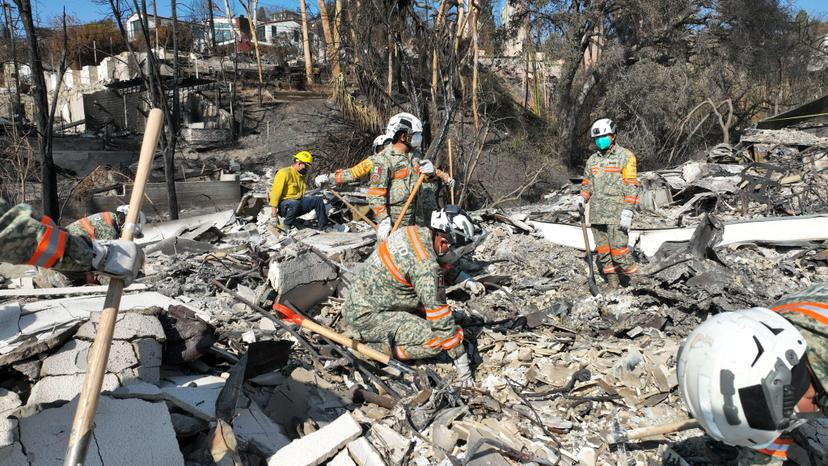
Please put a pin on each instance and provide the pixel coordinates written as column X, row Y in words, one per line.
column 49, row 197
column 330, row 48
column 212, row 23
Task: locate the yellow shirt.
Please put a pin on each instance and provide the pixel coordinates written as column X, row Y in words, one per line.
column 287, row 184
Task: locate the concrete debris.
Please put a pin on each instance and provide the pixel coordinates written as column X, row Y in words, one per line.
column 315, row 448
column 555, row 369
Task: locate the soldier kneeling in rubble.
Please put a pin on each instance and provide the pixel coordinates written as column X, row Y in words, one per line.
column 105, row 226
column 403, row 273
column 24, row 240
column 754, row 378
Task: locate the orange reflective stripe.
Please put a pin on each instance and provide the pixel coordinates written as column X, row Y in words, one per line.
column 439, row 313
column 380, row 209
column 379, row 192
column 388, row 261
column 631, row 181
column 605, row 249
column 401, row 354
column 450, row 343
column 610, row 269
column 87, row 227
column 416, row 244
column 775, row 453
column 339, row 176
column 632, row 270
column 400, row 174
column 594, row 170
column 619, row 252
column 631, row 199
column 612, row 169
column 107, row 216
column 51, row 246
column 816, row 311
column 433, row 343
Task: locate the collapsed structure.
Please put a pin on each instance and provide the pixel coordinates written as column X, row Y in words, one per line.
column 201, row 372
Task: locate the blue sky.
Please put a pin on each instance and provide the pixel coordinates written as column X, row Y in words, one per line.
column 89, row 10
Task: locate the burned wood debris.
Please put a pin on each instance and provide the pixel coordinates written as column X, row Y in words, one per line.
column 561, row 376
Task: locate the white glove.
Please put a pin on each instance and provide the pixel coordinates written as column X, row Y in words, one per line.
column 474, row 287
column 384, row 229
column 461, row 365
column 449, row 181
column 117, row 259
column 580, row 203
column 426, row 167
column 322, row 180
column 626, row 219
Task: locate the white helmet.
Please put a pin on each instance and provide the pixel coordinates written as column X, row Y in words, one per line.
column 403, row 122
column 602, row 127
column 455, row 222
column 380, row 141
column 142, row 220
column 741, row 374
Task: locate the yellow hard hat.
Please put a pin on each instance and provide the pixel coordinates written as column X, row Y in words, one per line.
column 304, row 157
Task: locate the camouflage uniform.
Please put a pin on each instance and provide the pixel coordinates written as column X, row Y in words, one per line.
column 101, row 226
column 400, row 275
column 807, row 310
column 392, row 177
column 24, row 240
column 610, row 185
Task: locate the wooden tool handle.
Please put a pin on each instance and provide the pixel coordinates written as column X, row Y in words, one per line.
column 652, row 431
column 451, row 169
column 354, row 210
column 81, row 434
column 345, row 341
column 408, row 202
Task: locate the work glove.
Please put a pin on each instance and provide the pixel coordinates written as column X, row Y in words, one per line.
column 580, row 203
column 117, row 259
column 426, row 167
column 474, row 287
column 384, row 229
column 464, row 376
column 626, row 220
column 449, row 181
column 322, row 180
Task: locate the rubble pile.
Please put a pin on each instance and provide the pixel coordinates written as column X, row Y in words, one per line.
column 560, row 375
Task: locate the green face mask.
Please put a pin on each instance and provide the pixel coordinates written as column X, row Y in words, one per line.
column 603, row 142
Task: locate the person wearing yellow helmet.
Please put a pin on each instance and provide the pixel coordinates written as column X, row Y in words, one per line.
column 287, row 194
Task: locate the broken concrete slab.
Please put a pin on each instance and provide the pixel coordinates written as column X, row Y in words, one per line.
column 121, row 436
column 67, row 291
column 299, row 268
column 343, row 458
column 199, row 392
column 333, row 243
column 129, row 326
column 9, row 401
column 317, row 447
column 364, row 454
column 65, row 387
column 393, row 445
column 254, row 428
column 155, row 232
column 175, row 246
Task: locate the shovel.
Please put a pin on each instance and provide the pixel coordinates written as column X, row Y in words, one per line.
column 593, row 287
column 83, row 424
column 294, row 318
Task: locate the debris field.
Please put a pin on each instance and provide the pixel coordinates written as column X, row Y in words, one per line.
column 201, row 370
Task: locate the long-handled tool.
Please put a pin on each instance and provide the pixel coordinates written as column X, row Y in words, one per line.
column 652, row 431
column 408, row 202
column 451, row 170
column 593, row 287
column 81, row 433
column 292, row 317
column 354, row 210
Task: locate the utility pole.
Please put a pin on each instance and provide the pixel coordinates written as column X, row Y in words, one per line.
column 18, row 108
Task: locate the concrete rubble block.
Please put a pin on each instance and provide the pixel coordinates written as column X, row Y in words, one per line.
column 187, row 426
column 317, row 447
column 301, row 269
column 9, row 401
column 390, row 442
column 129, row 326
column 12, row 455
column 121, row 435
column 199, row 392
column 343, row 458
column 64, row 387
column 148, row 352
column 364, row 454
column 252, row 426
column 72, row 358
